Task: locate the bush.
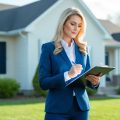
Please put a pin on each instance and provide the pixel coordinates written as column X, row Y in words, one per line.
column 118, row 91
column 91, row 91
column 8, row 88
column 36, row 85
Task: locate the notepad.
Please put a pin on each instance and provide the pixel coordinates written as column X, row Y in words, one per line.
column 81, row 79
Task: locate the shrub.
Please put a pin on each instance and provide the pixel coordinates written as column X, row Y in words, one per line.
column 36, row 85
column 8, row 88
column 91, row 91
column 118, row 90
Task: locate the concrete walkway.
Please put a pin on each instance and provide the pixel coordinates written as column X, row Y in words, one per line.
column 114, row 96
column 109, row 92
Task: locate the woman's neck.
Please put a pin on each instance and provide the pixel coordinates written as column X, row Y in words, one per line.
column 68, row 40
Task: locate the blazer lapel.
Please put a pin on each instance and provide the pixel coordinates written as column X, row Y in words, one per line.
column 78, row 55
column 65, row 57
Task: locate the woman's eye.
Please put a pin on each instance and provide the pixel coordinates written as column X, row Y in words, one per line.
column 72, row 24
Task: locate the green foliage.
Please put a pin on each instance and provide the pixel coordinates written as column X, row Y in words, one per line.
column 118, row 91
column 36, row 85
column 90, row 91
column 8, row 88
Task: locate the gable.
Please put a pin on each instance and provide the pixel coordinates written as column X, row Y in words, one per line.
column 20, row 17
column 60, row 6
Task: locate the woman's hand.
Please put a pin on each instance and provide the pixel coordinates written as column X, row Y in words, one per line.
column 75, row 70
column 95, row 80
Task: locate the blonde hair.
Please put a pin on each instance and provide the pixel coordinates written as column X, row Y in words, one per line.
column 59, row 32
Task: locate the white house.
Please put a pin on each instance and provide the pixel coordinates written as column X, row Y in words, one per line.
column 113, row 50
column 24, row 29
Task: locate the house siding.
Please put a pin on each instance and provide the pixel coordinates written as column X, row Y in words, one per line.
column 21, row 62
column 10, row 58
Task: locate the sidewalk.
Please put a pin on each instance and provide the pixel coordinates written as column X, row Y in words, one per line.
column 114, row 96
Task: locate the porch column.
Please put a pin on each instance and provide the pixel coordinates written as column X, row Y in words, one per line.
column 117, row 61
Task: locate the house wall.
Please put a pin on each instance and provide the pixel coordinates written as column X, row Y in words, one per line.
column 21, row 61
column 33, row 55
column 16, row 59
column 10, row 58
column 95, row 40
column 111, row 52
column 42, row 30
column 114, row 60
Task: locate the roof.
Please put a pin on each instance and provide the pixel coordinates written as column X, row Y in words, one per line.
column 116, row 36
column 6, row 6
column 112, row 44
column 110, row 27
column 15, row 18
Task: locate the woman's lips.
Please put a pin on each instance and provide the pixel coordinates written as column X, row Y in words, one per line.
column 74, row 33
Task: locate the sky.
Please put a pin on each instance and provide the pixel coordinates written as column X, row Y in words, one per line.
column 103, row 8
column 100, row 8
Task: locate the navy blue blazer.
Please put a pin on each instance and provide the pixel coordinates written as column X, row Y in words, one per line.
column 51, row 77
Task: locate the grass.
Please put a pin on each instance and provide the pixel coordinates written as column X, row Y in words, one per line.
column 33, row 109
column 105, row 109
column 27, row 109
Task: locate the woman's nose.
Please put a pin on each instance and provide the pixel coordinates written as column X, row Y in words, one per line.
column 75, row 28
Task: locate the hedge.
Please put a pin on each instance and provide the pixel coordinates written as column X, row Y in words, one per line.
column 8, row 88
column 36, row 85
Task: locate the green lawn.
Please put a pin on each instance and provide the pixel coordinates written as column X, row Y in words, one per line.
column 105, row 109
column 33, row 109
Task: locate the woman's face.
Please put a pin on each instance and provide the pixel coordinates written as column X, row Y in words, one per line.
column 72, row 27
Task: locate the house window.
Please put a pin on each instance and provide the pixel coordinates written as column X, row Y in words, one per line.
column 107, row 58
column 2, row 57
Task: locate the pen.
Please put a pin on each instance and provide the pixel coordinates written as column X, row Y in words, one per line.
column 73, row 63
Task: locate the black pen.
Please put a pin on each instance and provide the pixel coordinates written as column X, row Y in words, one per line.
column 73, row 63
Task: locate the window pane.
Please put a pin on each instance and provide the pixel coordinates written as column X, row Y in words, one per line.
column 2, row 57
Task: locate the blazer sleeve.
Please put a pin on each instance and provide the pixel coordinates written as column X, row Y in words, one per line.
column 88, row 66
column 46, row 79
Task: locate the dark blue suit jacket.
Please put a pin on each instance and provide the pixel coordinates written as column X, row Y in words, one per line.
column 51, row 77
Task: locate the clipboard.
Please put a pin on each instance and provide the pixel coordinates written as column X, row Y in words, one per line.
column 81, row 80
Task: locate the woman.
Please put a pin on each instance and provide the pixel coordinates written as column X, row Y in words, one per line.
column 63, row 59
